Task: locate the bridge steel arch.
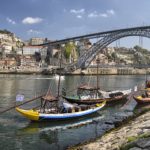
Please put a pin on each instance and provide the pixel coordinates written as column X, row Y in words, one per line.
column 85, row 60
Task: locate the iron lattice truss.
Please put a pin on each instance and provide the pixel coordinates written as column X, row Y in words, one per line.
column 85, row 60
column 107, row 38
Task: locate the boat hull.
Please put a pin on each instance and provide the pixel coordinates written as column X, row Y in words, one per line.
column 142, row 100
column 95, row 101
column 36, row 116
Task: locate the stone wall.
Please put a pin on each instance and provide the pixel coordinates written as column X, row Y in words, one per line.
column 113, row 71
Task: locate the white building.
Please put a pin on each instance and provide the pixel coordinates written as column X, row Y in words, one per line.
column 7, row 49
column 30, row 50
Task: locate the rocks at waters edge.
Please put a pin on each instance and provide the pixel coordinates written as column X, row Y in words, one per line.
column 133, row 136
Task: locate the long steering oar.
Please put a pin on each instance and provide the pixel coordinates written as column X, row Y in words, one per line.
column 21, row 104
column 130, row 98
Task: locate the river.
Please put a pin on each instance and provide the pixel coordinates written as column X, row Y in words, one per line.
column 16, row 132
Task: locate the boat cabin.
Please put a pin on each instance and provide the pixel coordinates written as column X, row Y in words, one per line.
column 49, row 104
column 88, row 92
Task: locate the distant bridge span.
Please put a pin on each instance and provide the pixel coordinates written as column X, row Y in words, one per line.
column 106, row 38
column 85, row 60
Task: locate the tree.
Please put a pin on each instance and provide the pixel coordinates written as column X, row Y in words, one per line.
column 70, row 50
column 114, row 56
column 140, row 49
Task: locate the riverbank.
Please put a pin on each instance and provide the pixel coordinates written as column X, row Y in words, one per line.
column 134, row 135
column 88, row 71
column 113, row 71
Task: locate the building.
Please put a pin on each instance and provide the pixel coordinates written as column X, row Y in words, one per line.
column 8, row 49
column 30, row 50
column 8, row 62
column 28, row 61
column 36, row 41
column 10, row 43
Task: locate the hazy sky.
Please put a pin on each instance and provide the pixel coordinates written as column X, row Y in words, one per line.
column 57, row 19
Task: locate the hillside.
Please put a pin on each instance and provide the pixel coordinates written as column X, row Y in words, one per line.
column 9, row 42
column 122, row 55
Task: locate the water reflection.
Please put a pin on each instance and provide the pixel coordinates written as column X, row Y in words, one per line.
column 60, row 135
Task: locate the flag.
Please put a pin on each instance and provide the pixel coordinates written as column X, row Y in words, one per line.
column 19, row 97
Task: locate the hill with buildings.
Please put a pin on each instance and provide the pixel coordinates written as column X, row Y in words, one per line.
column 9, row 43
column 26, row 54
column 126, row 56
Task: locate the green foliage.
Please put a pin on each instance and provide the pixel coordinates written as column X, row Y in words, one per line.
column 140, row 49
column 131, row 138
column 109, row 57
column 68, row 49
column 6, row 32
column 114, row 55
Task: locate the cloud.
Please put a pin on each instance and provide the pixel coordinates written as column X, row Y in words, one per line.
column 31, row 31
column 106, row 14
column 30, row 20
column 111, row 12
column 10, row 21
column 93, row 15
column 80, row 11
column 79, row 16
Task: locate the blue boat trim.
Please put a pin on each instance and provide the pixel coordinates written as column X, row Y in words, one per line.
column 68, row 115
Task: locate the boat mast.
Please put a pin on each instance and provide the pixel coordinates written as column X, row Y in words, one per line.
column 98, row 62
column 146, row 80
column 60, row 60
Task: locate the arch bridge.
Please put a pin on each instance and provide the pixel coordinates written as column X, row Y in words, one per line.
column 85, row 60
column 106, row 38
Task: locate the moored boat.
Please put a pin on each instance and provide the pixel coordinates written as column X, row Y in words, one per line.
column 143, row 98
column 90, row 95
column 54, row 113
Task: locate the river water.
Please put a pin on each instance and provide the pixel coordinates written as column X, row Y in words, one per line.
column 16, row 132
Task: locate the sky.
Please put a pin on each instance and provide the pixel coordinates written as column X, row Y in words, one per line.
column 58, row 19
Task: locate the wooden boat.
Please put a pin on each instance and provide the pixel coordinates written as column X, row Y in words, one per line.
column 143, row 98
column 90, row 95
column 49, row 110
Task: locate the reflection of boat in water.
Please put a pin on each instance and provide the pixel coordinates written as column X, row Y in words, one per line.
column 62, row 134
column 34, row 127
column 58, row 76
